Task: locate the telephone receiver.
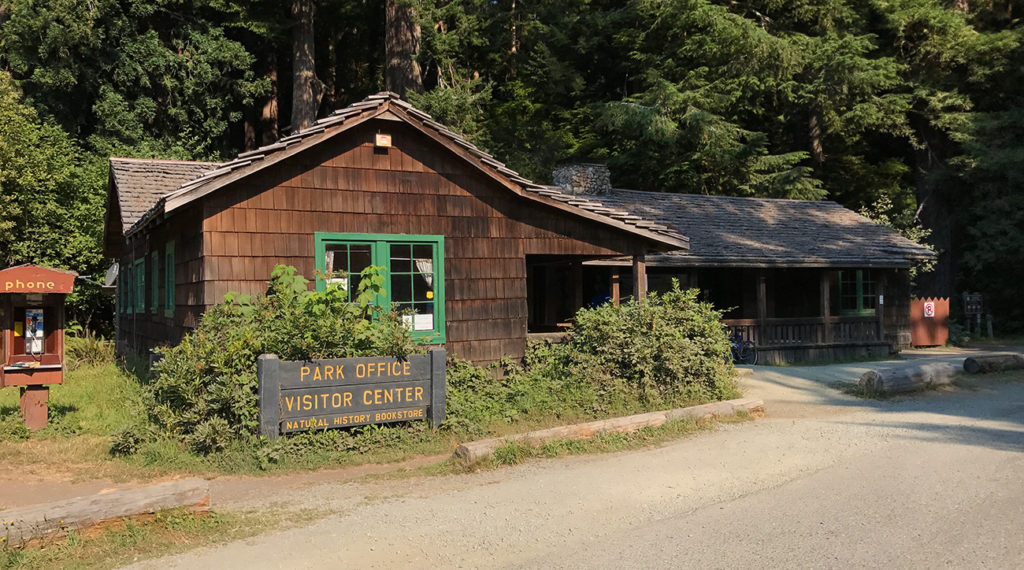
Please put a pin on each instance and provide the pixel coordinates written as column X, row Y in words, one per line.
column 34, row 331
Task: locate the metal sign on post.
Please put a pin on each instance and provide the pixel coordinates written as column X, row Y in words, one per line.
column 344, row 392
column 972, row 303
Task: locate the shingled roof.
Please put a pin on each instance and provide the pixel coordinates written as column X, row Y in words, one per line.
column 762, row 232
column 168, row 192
column 141, row 182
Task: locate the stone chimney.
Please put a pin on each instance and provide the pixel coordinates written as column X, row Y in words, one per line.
column 583, row 178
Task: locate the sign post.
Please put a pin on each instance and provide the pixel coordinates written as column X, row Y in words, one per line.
column 344, row 392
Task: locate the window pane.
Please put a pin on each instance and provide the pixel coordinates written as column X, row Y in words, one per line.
column 423, row 251
column 335, row 257
column 401, row 288
column 360, row 257
column 423, row 319
column 401, row 256
column 422, row 291
column 869, row 292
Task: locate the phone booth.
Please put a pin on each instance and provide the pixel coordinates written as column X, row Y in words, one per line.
column 32, row 334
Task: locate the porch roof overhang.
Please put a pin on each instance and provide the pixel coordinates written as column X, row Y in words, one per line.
column 727, row 231
column 683, row 261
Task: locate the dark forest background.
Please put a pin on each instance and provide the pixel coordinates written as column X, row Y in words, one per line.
column 909, row 110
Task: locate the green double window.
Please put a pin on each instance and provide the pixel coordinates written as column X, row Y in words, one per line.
column 413, row 272
column 858, row 293
column 169, row 279
column 139, row 273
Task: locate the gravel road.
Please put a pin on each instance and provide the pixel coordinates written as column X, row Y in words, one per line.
column 827, row 481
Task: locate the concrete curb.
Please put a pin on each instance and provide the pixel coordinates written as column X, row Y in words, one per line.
column 477, row 450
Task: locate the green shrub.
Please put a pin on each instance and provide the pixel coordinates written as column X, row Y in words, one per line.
column 670, row 346
column 87, row 350
column 204, row 389
column 12, row 427
column 129, row 439
column 671, row 350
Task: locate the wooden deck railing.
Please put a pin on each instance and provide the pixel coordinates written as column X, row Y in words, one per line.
column 807, row 331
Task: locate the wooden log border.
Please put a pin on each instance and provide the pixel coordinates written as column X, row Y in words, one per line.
column 331, row 398
column 911, row 378
column 993, row 363
column 475, row 451
column 24, row 524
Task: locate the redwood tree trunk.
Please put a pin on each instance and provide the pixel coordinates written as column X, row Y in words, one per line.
column 402, row 45
column 306, row 87
column 268, row 115
column 814, row 131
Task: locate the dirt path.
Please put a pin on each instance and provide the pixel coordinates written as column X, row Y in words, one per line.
column 827, row 481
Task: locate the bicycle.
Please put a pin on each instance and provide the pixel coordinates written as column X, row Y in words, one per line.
column 742, row 351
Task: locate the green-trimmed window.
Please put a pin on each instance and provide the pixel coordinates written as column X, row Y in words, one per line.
column 857, row 292
column 124, row 284
column 414, row 284
column 169, row 280
column 140, row 284
column 154, row 269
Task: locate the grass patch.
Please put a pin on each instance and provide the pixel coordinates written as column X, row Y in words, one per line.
column 514, row 453
column 116, row 544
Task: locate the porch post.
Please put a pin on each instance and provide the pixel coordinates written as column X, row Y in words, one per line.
column 616, row 279
column 880, row 308
column 577, row 282
column 639, row 277
column 762, row 306
column 826, row 307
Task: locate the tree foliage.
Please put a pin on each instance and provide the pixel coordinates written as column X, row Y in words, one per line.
column 913, row 104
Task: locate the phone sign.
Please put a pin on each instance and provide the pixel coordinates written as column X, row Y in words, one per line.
column 929, row 309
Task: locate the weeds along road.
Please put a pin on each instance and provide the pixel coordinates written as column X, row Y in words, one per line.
column 828, row 481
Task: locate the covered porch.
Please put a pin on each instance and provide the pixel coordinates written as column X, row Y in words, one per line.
column 791, row 314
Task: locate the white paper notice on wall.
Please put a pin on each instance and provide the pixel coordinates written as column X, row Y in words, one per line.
column 929, row 310
column 419, row 322
column 340, row 281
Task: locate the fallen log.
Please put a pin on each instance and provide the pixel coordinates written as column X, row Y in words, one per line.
column 993, row 363
column 908, row 378
column 474, row 451
column 26, row 523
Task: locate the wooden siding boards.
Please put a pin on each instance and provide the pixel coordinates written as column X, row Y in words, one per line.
column 230, row 240
column 149, row 329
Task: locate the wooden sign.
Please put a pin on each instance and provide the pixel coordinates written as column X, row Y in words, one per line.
column 344, row 392
column 35, row 279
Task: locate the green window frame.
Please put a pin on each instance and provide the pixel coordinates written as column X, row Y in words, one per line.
column 140, row 284
column 411, row 282
column 124, row 284
column 169, row 302
column 858, row 294
column 154, row 260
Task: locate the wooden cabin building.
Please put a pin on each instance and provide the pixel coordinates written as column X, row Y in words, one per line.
column 378, row 182
column 479, row 258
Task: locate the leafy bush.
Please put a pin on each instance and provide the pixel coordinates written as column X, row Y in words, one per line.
column 88, row 350
column 12, row 427
column 671, row 345
column 129, row 439
column 670, row 350
column 204, row 389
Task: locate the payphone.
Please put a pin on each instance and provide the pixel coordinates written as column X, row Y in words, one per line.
column 32, row 334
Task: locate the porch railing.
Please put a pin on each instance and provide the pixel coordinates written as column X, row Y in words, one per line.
column 807, row 331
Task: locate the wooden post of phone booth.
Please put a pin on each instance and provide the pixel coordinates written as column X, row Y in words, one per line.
column 32, row 335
